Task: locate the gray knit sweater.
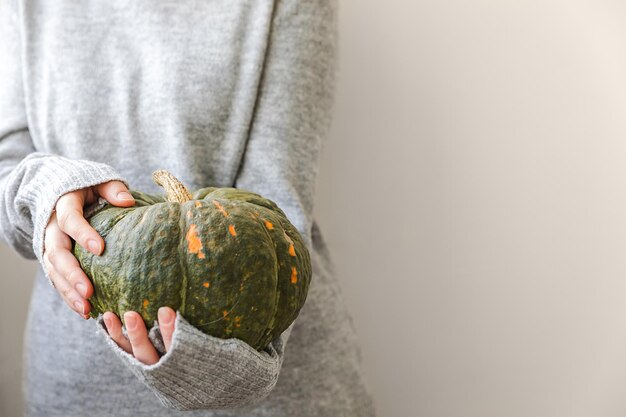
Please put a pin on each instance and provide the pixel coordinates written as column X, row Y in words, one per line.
column 220, row 93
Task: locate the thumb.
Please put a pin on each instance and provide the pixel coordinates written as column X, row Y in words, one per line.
column 116, row 193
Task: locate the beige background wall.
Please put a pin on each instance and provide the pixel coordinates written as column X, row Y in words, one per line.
column 473, row 193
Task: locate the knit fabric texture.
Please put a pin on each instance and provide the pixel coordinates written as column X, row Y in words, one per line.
column 220, row 93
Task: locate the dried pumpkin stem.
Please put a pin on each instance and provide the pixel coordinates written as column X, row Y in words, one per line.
column 175, row 191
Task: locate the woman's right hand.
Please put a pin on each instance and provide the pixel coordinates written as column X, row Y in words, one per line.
column 68, row 222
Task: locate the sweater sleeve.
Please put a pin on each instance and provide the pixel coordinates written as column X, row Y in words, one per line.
column 30, row 181
column 294, row 110
column 291, row 118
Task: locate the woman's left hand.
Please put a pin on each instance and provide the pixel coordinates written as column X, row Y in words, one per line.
column 137, row 342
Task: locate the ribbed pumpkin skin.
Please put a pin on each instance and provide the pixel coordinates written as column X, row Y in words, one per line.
column 228, row 260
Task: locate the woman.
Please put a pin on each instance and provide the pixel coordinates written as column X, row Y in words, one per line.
column 94, row 97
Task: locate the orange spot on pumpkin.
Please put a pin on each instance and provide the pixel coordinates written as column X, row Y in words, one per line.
column 198, row 204
column 269, row 225
column 292, row 250
column 231, row 230
column 145, row 303
column 294, row 275
column 206, row 284
column 225, row 314
column 194, row 244
column 220, row 208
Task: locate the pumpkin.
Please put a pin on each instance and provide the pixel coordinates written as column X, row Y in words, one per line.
column 227, row 259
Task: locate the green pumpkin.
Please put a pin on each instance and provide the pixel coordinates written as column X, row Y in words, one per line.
column 228, row 260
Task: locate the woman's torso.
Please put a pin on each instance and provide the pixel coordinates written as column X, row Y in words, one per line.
column 145, row 85
column 141, row 86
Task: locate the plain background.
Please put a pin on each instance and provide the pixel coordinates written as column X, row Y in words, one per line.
column 472, row 192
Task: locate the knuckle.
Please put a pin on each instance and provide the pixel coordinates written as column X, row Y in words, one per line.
column 74, row 275
column 52, row 256
column 71, row 305
column 51, row 234
column 51, row 274
column 139, row 344
column 64, row 220
column 123, row 341
column 81, row 234
column 116, row 338
column 49, row 268
column 110, row 185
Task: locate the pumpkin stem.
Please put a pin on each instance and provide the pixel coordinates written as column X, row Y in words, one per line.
column 175, row 191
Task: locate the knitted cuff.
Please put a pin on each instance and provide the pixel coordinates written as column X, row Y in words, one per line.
column 205, row 372
column 51, row 177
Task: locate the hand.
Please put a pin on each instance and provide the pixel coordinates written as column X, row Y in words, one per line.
column 137, row 343
column 68, row 222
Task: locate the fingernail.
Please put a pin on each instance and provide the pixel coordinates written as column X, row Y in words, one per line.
column 93, row 246
column 164, row 316
column 124, row 195
column 107, row 322
column 81, row 288
column 131, row 321
column 80, row 307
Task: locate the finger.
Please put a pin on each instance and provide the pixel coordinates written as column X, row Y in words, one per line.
column 58, row 246
column 69, row 212
column 167, row 317
column 68, row 267
column 116, row 193
column 114, row 327
column 69, row 294
column 138, row 336
column 54, row 236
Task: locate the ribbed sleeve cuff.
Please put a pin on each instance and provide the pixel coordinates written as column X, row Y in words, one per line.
column 205, row 372
column 51, row 177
